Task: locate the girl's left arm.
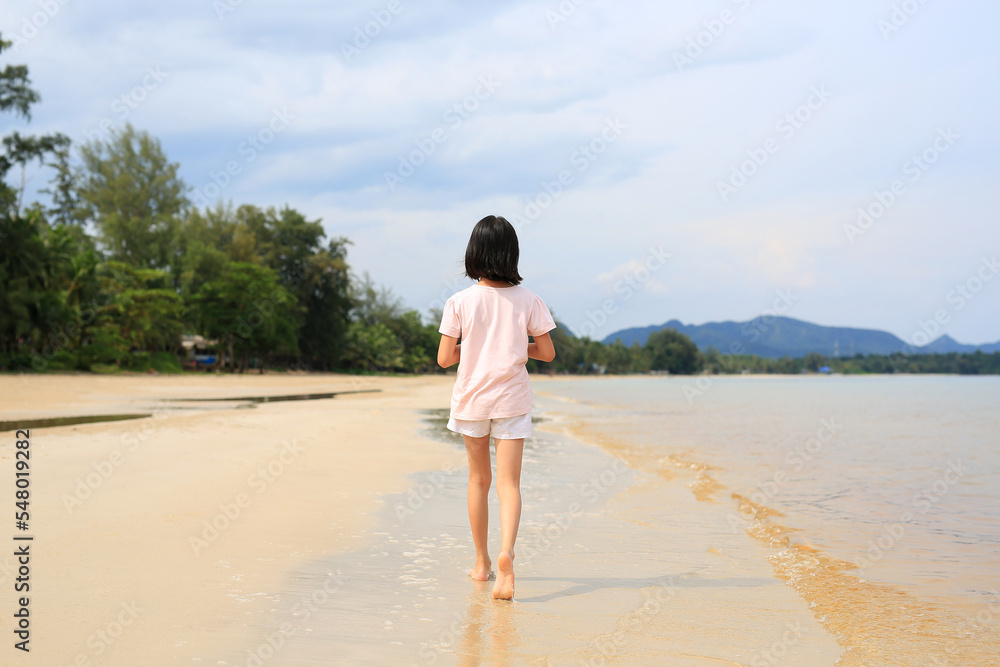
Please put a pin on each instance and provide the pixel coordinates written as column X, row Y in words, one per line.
column 542, row 349
column 449, row 351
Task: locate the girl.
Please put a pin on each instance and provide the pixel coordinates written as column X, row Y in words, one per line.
column 492, row 395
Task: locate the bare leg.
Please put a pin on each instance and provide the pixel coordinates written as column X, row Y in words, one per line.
column 509, row 491
column 480, row 478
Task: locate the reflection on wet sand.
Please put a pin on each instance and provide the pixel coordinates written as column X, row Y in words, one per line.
column 490, row 635
column 615, row 565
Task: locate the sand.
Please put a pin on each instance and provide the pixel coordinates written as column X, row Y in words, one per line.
column 332, row 532
column 155, row 538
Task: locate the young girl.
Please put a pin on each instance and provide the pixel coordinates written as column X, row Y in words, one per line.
column 492, row 395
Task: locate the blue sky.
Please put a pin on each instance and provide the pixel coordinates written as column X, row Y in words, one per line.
column 740, row 137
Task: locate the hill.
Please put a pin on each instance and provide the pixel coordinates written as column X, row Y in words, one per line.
column 786, row 337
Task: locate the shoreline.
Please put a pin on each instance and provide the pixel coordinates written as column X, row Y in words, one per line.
column 872, row 615
column 221, row 534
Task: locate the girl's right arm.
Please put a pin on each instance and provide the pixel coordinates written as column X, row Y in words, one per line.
column 449, row 351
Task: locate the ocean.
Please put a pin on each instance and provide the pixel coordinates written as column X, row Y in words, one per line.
column 879, row 496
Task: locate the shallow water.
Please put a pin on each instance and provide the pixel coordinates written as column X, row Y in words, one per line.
column 51, row 422
column 239, row 403
column 406, row 599
column 877, row 495
column 614, row 566
column 275, row 399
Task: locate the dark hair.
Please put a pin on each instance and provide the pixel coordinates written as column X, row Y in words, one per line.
column 492, row 252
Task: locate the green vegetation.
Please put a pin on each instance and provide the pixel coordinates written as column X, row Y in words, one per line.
column 119, row 266
column 670, row 351
column 111, row 273
column 665, row 351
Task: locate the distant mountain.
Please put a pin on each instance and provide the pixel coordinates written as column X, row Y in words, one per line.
column 787, row 337
column 946, row 344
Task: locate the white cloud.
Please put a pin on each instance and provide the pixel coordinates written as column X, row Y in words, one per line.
column 558, row 85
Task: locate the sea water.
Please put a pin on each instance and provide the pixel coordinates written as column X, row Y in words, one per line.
column 868, row 487
column 687, row 521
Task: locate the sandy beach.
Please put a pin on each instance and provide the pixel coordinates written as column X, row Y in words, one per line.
column 155, row 537
column 333, row 531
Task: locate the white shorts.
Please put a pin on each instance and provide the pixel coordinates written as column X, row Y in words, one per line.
column 508, row 428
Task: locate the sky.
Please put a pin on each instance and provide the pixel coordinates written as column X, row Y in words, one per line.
column 698, row 161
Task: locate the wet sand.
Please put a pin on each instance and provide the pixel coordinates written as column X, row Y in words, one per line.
column 341, row 537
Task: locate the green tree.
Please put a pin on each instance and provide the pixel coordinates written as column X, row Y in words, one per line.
column 17, row 95
column 24, row 278
column 289, row 244
column 143, row 314
column 371, row 341
column 134, row 196
column 65, row 209
column 618, row 358
column 372, row 347
column 418, row 342
column 672, row 351
column 814, row 361
column 250, row 313
column 325, row 293
column 568, row 352
column 286, row 241
column 47, row 281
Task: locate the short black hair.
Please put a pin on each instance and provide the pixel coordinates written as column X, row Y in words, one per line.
column 493, row 252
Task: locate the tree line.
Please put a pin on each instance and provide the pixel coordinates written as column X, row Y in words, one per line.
column 117, row 264
column 670, row 351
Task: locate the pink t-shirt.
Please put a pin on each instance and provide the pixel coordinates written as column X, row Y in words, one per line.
column 494, row 324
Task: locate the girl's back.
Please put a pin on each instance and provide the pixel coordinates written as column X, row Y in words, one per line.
column 494, row 324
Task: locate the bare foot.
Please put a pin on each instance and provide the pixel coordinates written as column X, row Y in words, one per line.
column 482, row 571
column 503, row 589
